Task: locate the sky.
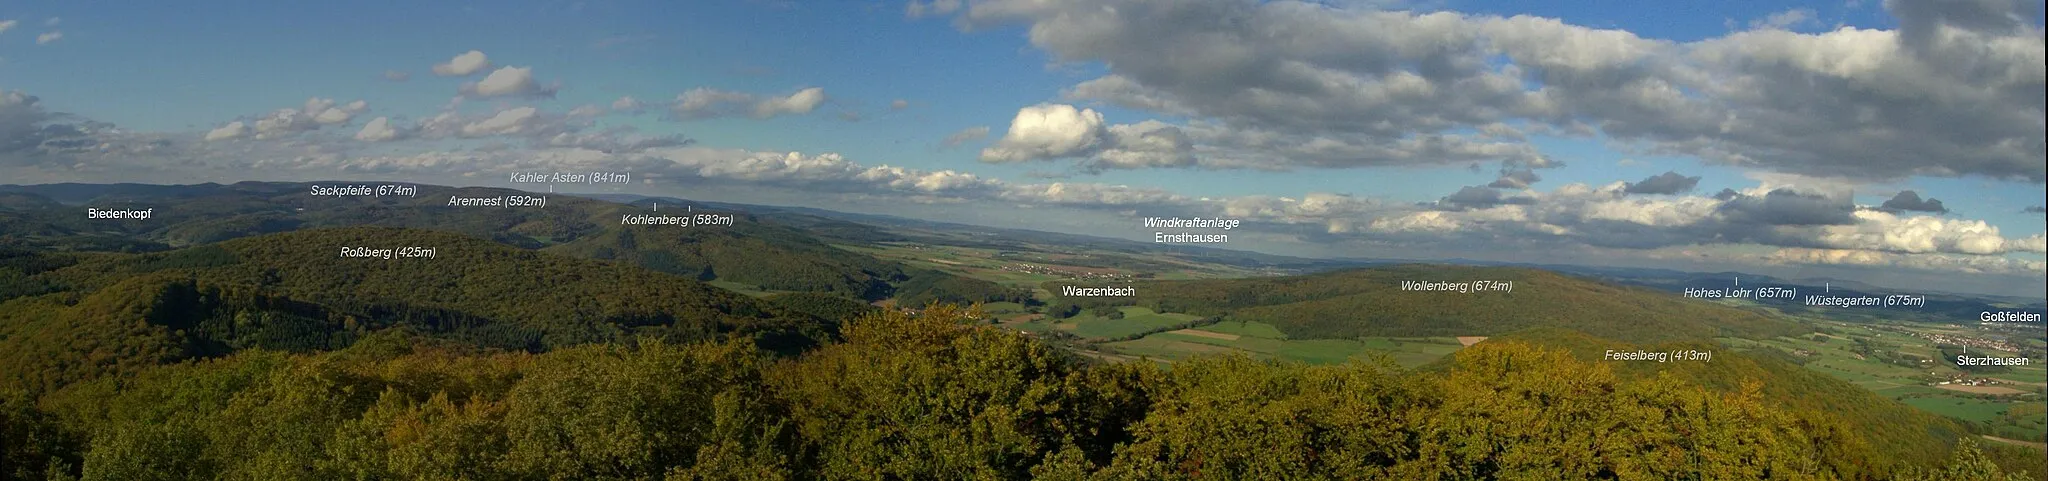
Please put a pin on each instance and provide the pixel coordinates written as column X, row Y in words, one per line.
column 1895, row 142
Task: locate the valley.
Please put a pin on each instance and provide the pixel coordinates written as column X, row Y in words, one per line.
column 86, row 304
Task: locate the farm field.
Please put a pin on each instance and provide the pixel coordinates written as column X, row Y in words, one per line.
column 1900, row 362
column 1029, row 268
column 1088, row 325
column 1265, row 342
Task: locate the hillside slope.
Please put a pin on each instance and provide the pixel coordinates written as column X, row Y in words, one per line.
column 1370, row 302
column 751, row 251
column 1884, row 431
column 294, row 291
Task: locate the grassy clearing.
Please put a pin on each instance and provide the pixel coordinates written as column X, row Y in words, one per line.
column 1961, row 408
column 1246, row 329
column 1136, row 320
column 1265, row 342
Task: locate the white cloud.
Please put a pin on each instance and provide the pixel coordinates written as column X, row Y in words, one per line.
column 508, row 82
column 379, row 129
column 231, row 131
column 6, row 25
column 1146, row 144
column 48, row 38
column 52, row 22
column 899, row 104
column 701, row 102
column 801, row 102
column 1956, row 90
column 326, row 113
column 1090, row 195
column 508, row 122
column 1785, row 20
column 1918, row 234
column 2036, row 243
column 315, row 113
column 396, row 76
column 612, row 143
column 463, row 64
column 1047, row 131
column 1938, row 262
column 704, row 103
column 586, row 111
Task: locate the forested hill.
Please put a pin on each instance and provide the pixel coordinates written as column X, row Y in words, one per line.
column 928, row 397
column 771, row 257
column 1845, row 418
column 752, row 251
column 1371, row 302
column 80, row 316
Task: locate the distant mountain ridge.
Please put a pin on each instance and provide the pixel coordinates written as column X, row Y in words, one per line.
column 750, row 251
column 848, row 226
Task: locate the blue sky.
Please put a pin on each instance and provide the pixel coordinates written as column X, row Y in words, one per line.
column 894, row 85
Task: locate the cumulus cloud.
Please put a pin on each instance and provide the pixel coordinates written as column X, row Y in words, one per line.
column 1607, row 216
column 1515, row 179
column 1146, row 144
column 508, row 82
column 800, row 102
column 230, row 131
column 1666, row 183
column 379, row 129
column 1883, row 231
column 35, row 140
column 1468, row 197
column 463, row 64
column 965, row 135
column 1908, row 200
column 315, row 114
column 615, row 142
column 24, row 124
column 1925, row 262
column 507, row 122
column 1571, row 216
column 704, row 103
column 1090, row 195
column 1788, row 207
column 1048, row 131
column 1785, row 20
column 1957, row 90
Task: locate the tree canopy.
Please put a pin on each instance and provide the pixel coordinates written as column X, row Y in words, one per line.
column 927, row 396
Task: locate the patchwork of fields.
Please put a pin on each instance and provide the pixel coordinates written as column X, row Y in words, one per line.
column 1866, row 354
column 2014, row 405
